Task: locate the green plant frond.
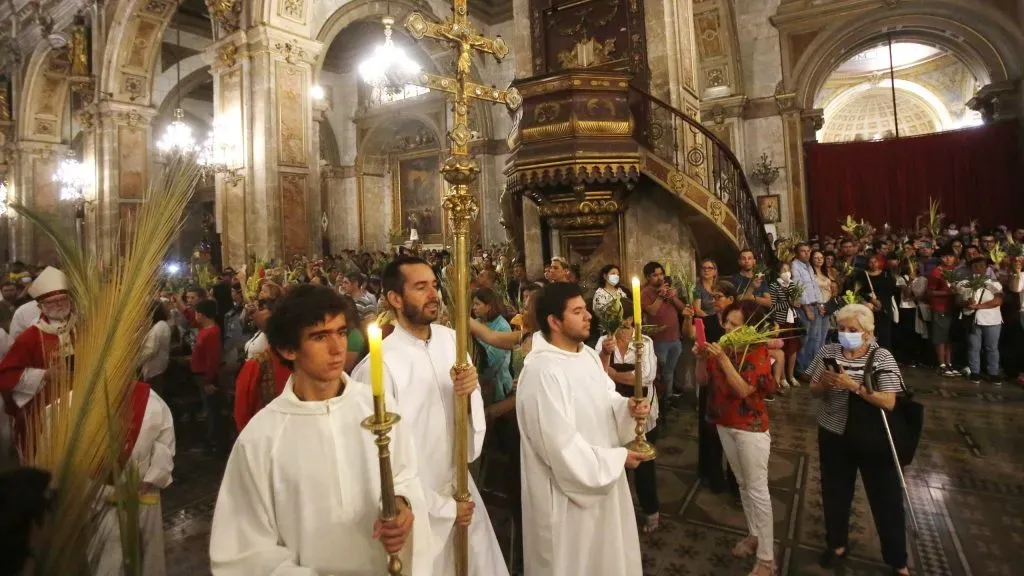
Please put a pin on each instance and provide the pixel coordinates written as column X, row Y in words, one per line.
column 80, row 441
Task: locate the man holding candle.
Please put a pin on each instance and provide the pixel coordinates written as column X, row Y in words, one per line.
column 302, row 488
column 419, row 360
column 577, row 512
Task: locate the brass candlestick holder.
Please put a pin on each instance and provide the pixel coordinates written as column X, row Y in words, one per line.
column 380, row 424
column 640, row 443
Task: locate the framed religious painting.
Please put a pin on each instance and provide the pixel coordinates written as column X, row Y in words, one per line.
column 417, row 186
column 768, row 208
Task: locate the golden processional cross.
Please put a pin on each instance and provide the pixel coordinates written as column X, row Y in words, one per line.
column 460, row 170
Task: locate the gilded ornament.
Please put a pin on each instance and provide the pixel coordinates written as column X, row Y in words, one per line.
column 5, row 102
column 227, row 13
column 227, row 55
column 594, row 106
column 293, row 9
column 716, row 209
column 546, row 112
column 79, row 50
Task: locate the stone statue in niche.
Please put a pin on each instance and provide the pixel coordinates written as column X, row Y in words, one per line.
column 79, row 48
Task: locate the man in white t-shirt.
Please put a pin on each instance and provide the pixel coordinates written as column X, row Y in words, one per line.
column 981, row 309
column 1016, row 284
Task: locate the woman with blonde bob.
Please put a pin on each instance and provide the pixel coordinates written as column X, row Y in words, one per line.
column 837, row 374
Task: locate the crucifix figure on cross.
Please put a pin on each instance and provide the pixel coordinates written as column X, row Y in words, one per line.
column 460, row 170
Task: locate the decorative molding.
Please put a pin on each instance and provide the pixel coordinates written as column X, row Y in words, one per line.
column 226, row 13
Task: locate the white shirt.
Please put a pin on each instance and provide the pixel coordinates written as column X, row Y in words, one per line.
column 1017, row 285
column 416, row 374
column 301, row 492
column 650, row 370
column 577, row 511
column 603, row 298
column 156, row 350
column 256, row 345
column 26, row 315
column 988, row 316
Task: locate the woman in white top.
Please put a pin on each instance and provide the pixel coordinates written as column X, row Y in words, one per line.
column 608, row 289
column 619, row 356
column 156, row 349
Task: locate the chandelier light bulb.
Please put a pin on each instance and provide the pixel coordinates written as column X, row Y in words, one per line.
column 3, row 199
column 178, row 135
column 387, row 59
column 317, row 92
column 72, row 178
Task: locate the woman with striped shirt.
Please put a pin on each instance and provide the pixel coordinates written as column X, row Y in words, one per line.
column 840, row 458
column 783, row 314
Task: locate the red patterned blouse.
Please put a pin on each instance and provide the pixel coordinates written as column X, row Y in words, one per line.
column 725, row 407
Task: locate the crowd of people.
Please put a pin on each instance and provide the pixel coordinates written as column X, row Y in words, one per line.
column 260, row 360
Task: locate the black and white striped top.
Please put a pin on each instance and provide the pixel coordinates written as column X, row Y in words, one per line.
column 781, row 311
column 835, row 405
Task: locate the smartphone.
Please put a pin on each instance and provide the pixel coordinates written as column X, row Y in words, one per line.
column 831, row 364
column 702, row 337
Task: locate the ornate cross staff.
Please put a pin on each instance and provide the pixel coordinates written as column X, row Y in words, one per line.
column 460, row 170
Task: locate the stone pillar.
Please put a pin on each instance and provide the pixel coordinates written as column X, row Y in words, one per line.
column 793, row 141
column 268, row 206
column 342, row 207
column 117, row 145
column 672, row 54
column 35, row 164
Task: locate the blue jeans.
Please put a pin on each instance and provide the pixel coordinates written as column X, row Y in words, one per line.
column 814, row 339
column 987, row 336
column 668, row 356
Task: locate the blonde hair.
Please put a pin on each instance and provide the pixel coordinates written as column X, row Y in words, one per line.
column 860, row 313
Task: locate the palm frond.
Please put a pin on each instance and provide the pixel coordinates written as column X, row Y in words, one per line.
column 75, row 440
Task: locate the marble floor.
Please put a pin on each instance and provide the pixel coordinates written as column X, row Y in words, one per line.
column 966, row 485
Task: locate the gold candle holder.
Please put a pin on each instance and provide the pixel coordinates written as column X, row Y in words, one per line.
column 640, row 443
column 380, row 424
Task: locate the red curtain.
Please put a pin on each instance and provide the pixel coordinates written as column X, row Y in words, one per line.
column 975, row 173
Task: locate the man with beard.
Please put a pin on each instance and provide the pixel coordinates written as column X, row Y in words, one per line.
column 24, row 371
column 577, row 511
column 419, row 360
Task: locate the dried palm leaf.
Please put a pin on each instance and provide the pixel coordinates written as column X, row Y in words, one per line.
column 79, row 442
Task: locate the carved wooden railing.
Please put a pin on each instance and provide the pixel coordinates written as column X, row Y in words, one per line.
column 692, row 149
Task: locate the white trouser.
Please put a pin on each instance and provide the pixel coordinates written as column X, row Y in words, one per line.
column 748, row 453
column 151, row 529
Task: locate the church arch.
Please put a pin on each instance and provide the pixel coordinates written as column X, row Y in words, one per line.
column 44, row 97
column 978, row 35
column 190, row 82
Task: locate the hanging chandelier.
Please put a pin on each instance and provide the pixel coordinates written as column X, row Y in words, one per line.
column 72, row 179
column 3, row 199
column 177, row 137
column 388, row 64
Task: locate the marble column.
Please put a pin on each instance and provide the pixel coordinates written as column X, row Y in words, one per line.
column 342, row 207
column 34, row 166
column 117, row 146
column 793, row 140
column 672, row 54
column 268, row 204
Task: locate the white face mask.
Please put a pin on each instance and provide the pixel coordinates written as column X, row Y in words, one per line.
column 785, row 276
column 613, row 279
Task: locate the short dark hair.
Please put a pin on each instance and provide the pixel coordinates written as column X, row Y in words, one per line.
column 551, row 302
column 207, row 308
column 198, row 290
column 651, row 268
column 605, row 270
column 727, row 289
column 945, row 251
column 745, row 250
column 356, row 276
column 978, row 260
column 304, row 306
column 392, row 279
column 26, row 499
column 752, row 312
column 158, row 311
column 491, row 299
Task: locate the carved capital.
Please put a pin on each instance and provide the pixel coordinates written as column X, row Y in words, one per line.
column 126, row 114
column 226, row 13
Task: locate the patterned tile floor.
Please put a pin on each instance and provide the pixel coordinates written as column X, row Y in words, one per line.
column 966, row 485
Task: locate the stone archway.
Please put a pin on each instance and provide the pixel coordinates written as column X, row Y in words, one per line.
column 44, row 97
column 990, row 46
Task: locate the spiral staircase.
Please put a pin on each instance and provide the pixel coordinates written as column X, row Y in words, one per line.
column 589, row 141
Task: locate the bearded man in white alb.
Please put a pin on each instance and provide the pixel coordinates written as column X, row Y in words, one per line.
column 577, row 512
column 419, row 360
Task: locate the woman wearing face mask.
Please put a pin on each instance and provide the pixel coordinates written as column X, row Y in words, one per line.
column 609, row 288
column 840, row 457
column 784, row 314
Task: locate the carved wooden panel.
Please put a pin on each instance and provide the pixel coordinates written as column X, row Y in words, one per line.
column 595, row 34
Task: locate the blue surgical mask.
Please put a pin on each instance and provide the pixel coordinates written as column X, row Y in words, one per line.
column 851, row 340
column 613, row 279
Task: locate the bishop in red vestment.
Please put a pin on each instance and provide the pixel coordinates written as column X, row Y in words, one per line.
column 24, row 370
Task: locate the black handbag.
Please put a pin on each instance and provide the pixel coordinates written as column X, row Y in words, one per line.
column 864, row 429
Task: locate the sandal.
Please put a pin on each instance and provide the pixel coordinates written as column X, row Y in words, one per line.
column 651, row 524
column 746, row 547
column 763, row 568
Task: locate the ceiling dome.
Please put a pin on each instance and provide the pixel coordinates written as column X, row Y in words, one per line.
column 869, row 116
column 875, row 59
